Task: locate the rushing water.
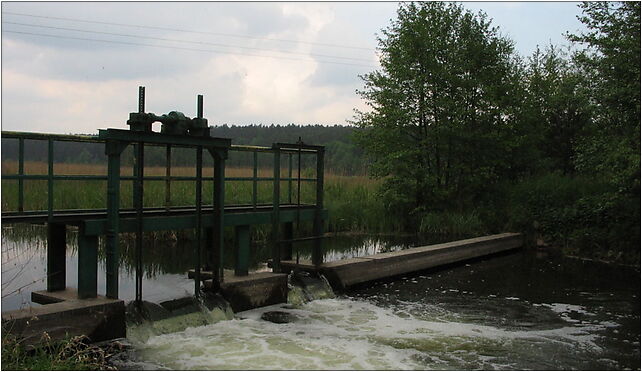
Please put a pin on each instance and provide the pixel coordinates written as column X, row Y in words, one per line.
column 526, row 310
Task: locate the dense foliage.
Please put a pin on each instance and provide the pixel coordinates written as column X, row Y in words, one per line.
column 463, row 130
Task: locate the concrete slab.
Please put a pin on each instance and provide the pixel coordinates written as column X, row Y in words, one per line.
column 345, row 273
column 254, row 290
column 99, row 319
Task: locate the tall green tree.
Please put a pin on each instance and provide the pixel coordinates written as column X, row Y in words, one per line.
column 556, row 110
column 611, row 60
column 443, row 106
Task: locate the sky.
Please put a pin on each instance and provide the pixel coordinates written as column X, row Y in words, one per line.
column 75, row 67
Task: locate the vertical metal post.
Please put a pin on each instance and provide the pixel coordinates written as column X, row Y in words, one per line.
column 135, row 174
column 21, row 172
column 136, row 151
column 141, row 99
column 290, row 178
column 217, row 228
column 298, row 195
column 199, row 227
column 242, row 234
column 276, row 201
column 87, row 264
column 168, row 177
column 199, row 202
column 254, row 178
column 138, row 204
column 113, row 150
column 317, row 254
column 50, row 181
column 56, row 265
column 288, row 235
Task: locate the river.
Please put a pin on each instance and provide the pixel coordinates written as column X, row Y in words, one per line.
column 525, row 310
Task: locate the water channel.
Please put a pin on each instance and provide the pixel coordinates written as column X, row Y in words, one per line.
column 525, row 310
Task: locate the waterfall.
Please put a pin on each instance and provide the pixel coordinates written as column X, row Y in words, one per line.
column 305, row 287
column 150, row 319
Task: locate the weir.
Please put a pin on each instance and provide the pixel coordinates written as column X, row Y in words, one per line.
column 208, row 221
column 80, row 310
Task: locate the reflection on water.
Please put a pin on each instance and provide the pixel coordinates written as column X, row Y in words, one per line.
column 165, row 261
column 525, row 310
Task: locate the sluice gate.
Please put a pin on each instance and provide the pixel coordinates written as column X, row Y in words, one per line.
column 208, row 220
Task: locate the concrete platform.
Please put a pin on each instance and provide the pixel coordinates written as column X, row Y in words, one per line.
column 345, row 273
column 65, row 315
column 254, row 290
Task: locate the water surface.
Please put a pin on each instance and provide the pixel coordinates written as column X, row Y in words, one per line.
column 526, row 310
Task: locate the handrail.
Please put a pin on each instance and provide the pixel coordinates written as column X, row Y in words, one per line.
column 20, row 176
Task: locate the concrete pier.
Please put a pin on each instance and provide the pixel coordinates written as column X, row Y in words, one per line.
column 64, row 315
column 254, row 290
column 345, row 273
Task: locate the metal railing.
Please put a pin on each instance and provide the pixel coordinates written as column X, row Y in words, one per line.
column 288, row 149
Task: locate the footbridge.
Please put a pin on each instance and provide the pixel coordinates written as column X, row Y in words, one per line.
column 207, row 219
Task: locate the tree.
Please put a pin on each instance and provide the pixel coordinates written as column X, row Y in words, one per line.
column 442, row 108
column 612, row 61
column 557, row 108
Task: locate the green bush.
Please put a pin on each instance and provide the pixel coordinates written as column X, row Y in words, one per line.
column 579, row 214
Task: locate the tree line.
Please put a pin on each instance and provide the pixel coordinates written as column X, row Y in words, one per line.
column 342, row 154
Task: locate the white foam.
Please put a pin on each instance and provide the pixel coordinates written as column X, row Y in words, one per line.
column 351, row 334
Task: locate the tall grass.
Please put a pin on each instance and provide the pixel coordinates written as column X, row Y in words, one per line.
column 352, row 201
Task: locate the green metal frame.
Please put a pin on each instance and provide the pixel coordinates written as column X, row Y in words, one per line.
column 212, row 220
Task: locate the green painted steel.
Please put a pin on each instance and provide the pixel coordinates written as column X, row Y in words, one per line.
column 21, row 172
column 286, row 246
column 160, row 223
column 56, row 256
column 87, row 264
column 199, row 221
column 176, row 131
column 218, row 221
column 50, row 181
column 276, row 201
column 242, row 235
column 255, row 176
column 168, row 177
column 290, row 178
column 113, row 150
column 162, row 139
column 317, row 253
column 139, row 192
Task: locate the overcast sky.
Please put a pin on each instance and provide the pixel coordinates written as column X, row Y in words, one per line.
column 255, row 63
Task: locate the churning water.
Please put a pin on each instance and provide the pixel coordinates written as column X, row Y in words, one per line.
column 527, row 310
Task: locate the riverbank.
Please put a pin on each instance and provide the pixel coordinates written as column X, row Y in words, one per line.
column 71, row 354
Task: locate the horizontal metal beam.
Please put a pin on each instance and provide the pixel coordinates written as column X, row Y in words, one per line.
column 92, row 177
column 72, row 216
column 53, row 136
column 245, row 148
column 294, row 147
column 160, row 223
column 162, row 139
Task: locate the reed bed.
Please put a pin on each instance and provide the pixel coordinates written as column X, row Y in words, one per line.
column 351, row 200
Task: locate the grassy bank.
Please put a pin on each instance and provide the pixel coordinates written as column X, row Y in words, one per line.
column 70, row 354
